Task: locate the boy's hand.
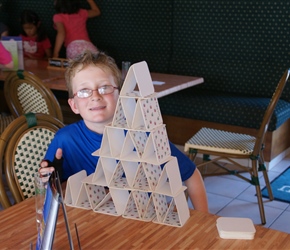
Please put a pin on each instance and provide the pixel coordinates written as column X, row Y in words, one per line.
column 47, row 167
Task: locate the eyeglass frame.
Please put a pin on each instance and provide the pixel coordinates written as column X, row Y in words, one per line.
column 92, row 90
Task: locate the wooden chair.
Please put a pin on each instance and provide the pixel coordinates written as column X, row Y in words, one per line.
column 25, row 92
column 229, row 147
column 4, row 121
column 23, row 145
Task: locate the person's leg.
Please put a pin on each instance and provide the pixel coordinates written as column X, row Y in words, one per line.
column 71, row 50
column 78, row 47
column 90, row 46
column 196, row 191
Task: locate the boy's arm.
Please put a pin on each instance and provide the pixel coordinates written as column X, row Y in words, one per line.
column 197, row 192
column 94, row 11
column 192, row 179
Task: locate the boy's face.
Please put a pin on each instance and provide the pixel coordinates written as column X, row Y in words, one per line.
column 96, row 110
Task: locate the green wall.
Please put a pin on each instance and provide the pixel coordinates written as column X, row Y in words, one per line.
column 239, row 47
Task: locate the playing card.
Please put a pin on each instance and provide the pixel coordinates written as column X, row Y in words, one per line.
column 153, row 173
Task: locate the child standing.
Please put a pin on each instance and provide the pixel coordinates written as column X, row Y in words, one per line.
column 93, row 83
column 35, row 41
column 70, row 23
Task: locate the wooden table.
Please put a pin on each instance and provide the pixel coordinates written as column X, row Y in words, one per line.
column 39, row 68
column 54, row 79
column 99, row 231
column 172, row 83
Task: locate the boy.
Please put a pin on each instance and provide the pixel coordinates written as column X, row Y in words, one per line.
column 93, row 83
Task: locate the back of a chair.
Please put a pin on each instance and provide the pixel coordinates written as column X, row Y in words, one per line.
column 5, row 120
column 25, row 92
column 23, row 145
column 269, row 112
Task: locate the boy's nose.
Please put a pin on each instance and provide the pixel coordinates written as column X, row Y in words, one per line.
column 95, row 91
column 96, row 94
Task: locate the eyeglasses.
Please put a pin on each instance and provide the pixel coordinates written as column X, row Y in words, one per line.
column 104, row 90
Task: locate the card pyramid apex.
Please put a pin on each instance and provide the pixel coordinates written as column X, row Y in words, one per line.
column 138, row 76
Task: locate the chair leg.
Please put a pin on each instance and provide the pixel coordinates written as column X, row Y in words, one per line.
column 261, row 205
column 4, row 200
column 262, row 168
column 191, row 154
column 258, row 191
column 268, row 185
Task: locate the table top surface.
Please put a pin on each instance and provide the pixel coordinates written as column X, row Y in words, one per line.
column 39, row 68
column 54, row 78
column 100, row 231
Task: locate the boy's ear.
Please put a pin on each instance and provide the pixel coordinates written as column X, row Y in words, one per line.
column 73, row 105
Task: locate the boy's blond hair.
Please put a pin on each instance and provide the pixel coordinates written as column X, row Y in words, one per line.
column 100, row 60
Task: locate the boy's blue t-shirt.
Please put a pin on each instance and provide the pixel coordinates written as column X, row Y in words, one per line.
column 78, row 143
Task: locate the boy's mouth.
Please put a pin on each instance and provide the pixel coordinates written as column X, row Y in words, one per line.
column 98, row 108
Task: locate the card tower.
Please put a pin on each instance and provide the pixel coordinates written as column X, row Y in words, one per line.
column 136, row 177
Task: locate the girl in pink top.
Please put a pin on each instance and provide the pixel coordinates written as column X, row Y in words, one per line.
column 5, row 57
column 36, row 43
column 70, row 23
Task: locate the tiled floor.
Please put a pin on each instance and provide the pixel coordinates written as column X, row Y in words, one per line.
column 230, row 196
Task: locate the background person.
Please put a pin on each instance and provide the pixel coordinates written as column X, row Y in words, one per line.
column 70, row 23
column 36, row 43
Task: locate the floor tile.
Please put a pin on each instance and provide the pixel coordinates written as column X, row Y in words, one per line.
column 224, row 186
column 250, row 196
column 244, row 209
column 282, row 165
column 217, row 202
column 282, row 223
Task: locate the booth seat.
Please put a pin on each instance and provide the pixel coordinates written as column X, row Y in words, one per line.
column 240, row 48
